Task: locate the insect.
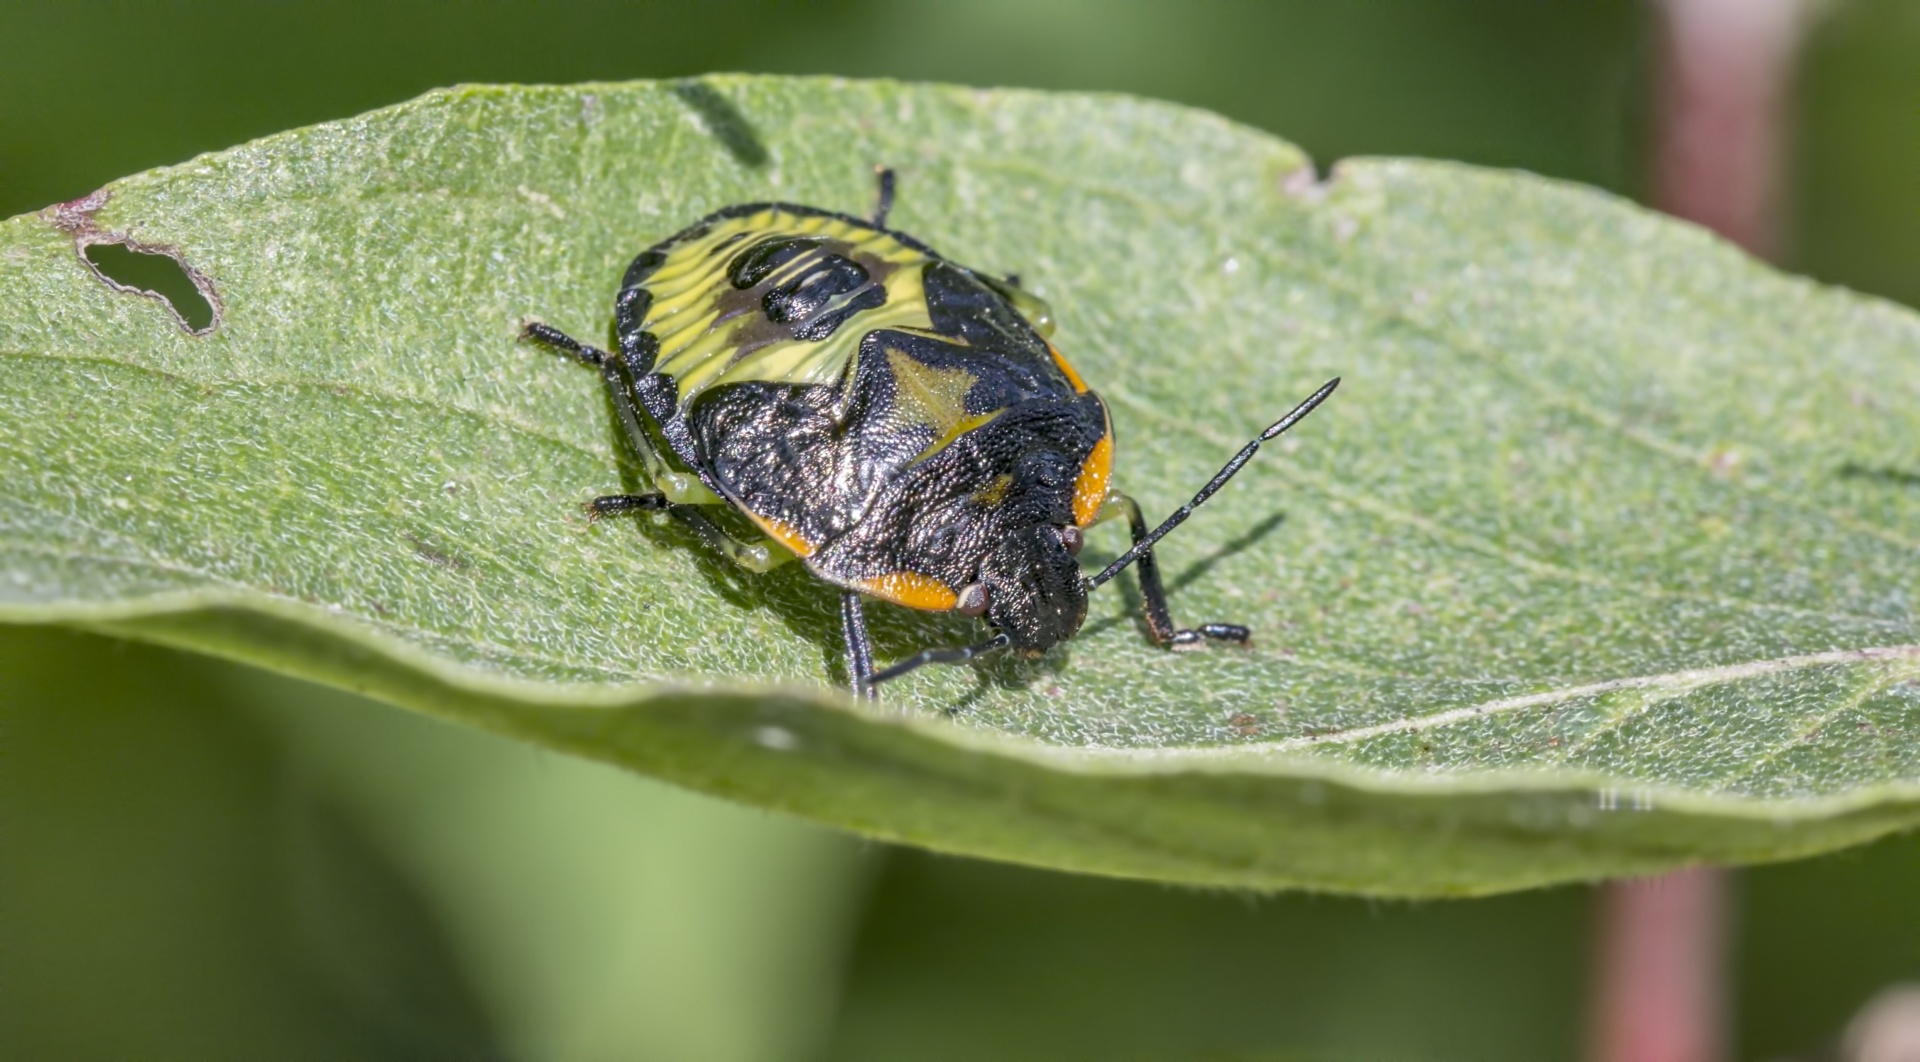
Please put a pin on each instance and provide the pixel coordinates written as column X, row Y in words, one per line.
column 900, row 423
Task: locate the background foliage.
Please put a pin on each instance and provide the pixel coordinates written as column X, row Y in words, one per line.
column 371, row 883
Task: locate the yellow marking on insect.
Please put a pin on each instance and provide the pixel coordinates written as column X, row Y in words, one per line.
column 1072, row 377
column 823, row 362
column 959, row 428
column 995, row 492
column 1090, row 490
column 925, row 395
column 791, row 270
column 912, row 590
column 700, row 347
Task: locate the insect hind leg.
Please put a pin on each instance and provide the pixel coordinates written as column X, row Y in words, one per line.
column 615, row 504
column 753, row 556
column 549, row 336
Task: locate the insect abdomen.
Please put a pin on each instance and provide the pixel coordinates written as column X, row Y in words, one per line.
column 776, row 294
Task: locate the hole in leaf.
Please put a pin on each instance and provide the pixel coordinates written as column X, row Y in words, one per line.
column 154, row 273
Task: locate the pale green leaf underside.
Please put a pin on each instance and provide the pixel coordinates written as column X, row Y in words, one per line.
column 1601, row 561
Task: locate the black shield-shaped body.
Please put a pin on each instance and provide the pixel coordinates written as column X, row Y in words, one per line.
column 894, row 419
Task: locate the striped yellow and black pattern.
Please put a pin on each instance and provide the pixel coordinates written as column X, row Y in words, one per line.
column 776, row 293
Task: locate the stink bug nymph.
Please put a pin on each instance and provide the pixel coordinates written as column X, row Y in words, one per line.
column 899, row 422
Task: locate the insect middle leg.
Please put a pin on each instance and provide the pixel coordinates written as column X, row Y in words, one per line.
column 1154, row 594
column 675, row 491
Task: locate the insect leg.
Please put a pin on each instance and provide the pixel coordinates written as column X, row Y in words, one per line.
column 853, row 623
column 547, row 335
column 615, row 504
column 677, row 490
column 883, row 196
column 1143, row 540
column 753, row 556
column 958, row 655
column 1154, row 593
column 681, row 488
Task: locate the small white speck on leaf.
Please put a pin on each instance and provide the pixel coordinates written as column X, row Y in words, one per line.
column 543, row 201
column 777, row 738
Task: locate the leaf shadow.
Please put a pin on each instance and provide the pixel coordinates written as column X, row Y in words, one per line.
column 724, row 121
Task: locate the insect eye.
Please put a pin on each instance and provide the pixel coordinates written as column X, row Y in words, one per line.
column 973, row 600
column 1074, row 538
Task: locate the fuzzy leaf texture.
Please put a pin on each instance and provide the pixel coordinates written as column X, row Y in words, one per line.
column 1600, row 563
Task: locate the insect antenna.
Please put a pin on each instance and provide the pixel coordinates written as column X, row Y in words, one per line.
column 1219, row 480
column 939, row 656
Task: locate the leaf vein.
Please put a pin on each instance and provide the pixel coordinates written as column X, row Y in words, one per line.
column 1677, row 680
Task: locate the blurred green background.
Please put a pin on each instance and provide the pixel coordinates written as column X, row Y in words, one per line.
column 199, row 861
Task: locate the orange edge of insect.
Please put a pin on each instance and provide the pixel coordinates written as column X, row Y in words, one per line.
column 783, row 533
column 912, row 590
column 1090, row 490
column 1073, row 378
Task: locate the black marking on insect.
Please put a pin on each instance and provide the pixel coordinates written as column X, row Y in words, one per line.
column 899, row 422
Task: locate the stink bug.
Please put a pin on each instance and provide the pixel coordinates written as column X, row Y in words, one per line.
column 898, row 421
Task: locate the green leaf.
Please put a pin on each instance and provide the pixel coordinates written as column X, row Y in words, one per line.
column 1600, row 563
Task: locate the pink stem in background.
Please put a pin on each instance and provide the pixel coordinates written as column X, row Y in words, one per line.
column 1726, row 67
column 1661, row 994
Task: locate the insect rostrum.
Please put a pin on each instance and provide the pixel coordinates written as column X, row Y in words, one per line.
column 899, row 422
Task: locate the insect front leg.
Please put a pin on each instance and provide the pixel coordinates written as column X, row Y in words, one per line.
column 1159, row 619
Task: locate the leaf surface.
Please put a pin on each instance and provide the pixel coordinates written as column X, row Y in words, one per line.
column 1599, row 563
